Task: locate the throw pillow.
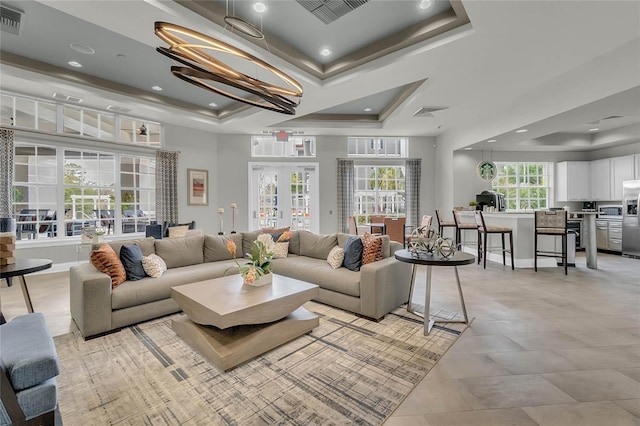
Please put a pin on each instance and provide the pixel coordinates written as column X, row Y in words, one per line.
column 280, row 250
column 131, row 258
column 353, row 254
column 153, row 265
column 178, row 231
column 105, row 260
column 371, row 248
column 336, row 257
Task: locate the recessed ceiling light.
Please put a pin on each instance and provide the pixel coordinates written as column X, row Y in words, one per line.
column 82, row 49
column 259, row 7
column 325, row 52
column 492, row 140
column 213, row 104
column 595, row 129
column 467, row 149
column 75, row 64
column 425, row 4
column 368, row 109
column 521, row 130
column 157, row 88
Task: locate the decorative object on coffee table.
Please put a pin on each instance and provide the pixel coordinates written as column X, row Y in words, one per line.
column 256, row 272
column 233, row 218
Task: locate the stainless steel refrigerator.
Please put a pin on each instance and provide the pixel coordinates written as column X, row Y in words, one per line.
column 630, row 218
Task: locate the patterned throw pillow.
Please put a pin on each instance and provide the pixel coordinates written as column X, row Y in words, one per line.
column 153, row 265
column 336, row 257
column 105, row 260
column 178, row 231
column 371, row 248
column 280, row 250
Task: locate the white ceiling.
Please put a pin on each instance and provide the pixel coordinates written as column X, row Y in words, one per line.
column 552, row 67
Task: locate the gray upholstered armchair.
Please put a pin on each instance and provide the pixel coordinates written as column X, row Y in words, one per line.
column 28, row 368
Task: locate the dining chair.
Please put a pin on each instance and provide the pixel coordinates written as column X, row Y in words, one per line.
column 353, row 226
column 483, row 236
column 552, row 223
column 394, row 228
column 442, row 224
column 462, row 226
column 377, row 219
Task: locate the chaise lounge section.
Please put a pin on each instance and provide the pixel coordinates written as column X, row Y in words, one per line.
column 97, row 308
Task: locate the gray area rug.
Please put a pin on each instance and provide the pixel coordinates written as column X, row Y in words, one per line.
column 349, row 370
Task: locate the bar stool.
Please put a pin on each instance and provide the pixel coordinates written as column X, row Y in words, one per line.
column 483, row 236
column 552, row 223
column 443, row 223
column 462, row 226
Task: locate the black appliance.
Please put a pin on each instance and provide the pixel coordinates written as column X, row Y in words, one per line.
column 589, row 206
column 575, row 226
column 490, row 199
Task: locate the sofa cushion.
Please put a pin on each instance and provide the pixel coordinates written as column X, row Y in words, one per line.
column 315, row 245
column 371, row 248
column 353, row 253
column 145, row 244
column 105, row 260
column 153, row 265
column 215, row 247
column 294, row 242
column 131, row 258
column 318, row 271
column 336, row 257
column 28, row 353
column 147, row 290
column 247, row 240
column 177, row 252
column 177, row 231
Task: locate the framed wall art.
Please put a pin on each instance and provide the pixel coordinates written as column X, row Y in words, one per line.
column 198, row 187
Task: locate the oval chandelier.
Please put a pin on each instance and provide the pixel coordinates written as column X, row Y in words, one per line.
column 201, row 69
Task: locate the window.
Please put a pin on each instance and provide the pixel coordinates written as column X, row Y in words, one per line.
column 31, row 113
column 524, row 185
column 283, row 146
column 93, row 189
column 377, row 147
column 379, row 190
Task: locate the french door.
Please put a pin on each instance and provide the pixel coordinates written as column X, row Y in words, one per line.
column 284, row 194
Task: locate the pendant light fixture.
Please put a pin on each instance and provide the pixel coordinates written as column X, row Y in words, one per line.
column 195, row 51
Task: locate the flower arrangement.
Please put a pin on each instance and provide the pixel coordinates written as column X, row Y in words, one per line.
column 260, row 258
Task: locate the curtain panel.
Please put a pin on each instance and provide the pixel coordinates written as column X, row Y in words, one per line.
column 167, row 186
column 345, row 193
column 413, row 169
column 6, row 172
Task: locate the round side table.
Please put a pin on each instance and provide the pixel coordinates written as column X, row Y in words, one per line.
column 429, row 260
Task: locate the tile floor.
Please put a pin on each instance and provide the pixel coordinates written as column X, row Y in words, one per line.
column 543, row 348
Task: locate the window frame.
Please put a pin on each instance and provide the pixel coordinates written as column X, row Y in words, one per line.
column 513, row 191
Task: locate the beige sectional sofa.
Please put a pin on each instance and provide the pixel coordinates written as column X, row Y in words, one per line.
column 372, row 292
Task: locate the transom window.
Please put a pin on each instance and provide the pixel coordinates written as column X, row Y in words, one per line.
column 283, row 146
column 524, row 185
column 377, row 147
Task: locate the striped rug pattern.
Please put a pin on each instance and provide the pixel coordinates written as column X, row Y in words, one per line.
column 349, row 370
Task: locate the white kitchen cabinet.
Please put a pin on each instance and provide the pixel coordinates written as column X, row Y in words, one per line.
column 622, row 168
column 600, row 180
column 572, row 181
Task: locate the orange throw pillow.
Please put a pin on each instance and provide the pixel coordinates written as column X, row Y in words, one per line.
column 105, row 260
column 371, row 248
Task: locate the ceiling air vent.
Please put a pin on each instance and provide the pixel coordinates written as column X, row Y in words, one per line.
column 330, row 10
column 428, row 111
column 66, row 98
column 115, row 108
column 611, row 117
column 10, row 20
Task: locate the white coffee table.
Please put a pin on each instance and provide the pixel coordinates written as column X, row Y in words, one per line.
column 229, row 322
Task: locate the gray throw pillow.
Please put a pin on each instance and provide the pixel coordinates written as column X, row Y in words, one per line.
column 131, row 258
column 353, row 254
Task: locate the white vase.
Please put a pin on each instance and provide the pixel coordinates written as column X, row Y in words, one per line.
column 263, row 280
